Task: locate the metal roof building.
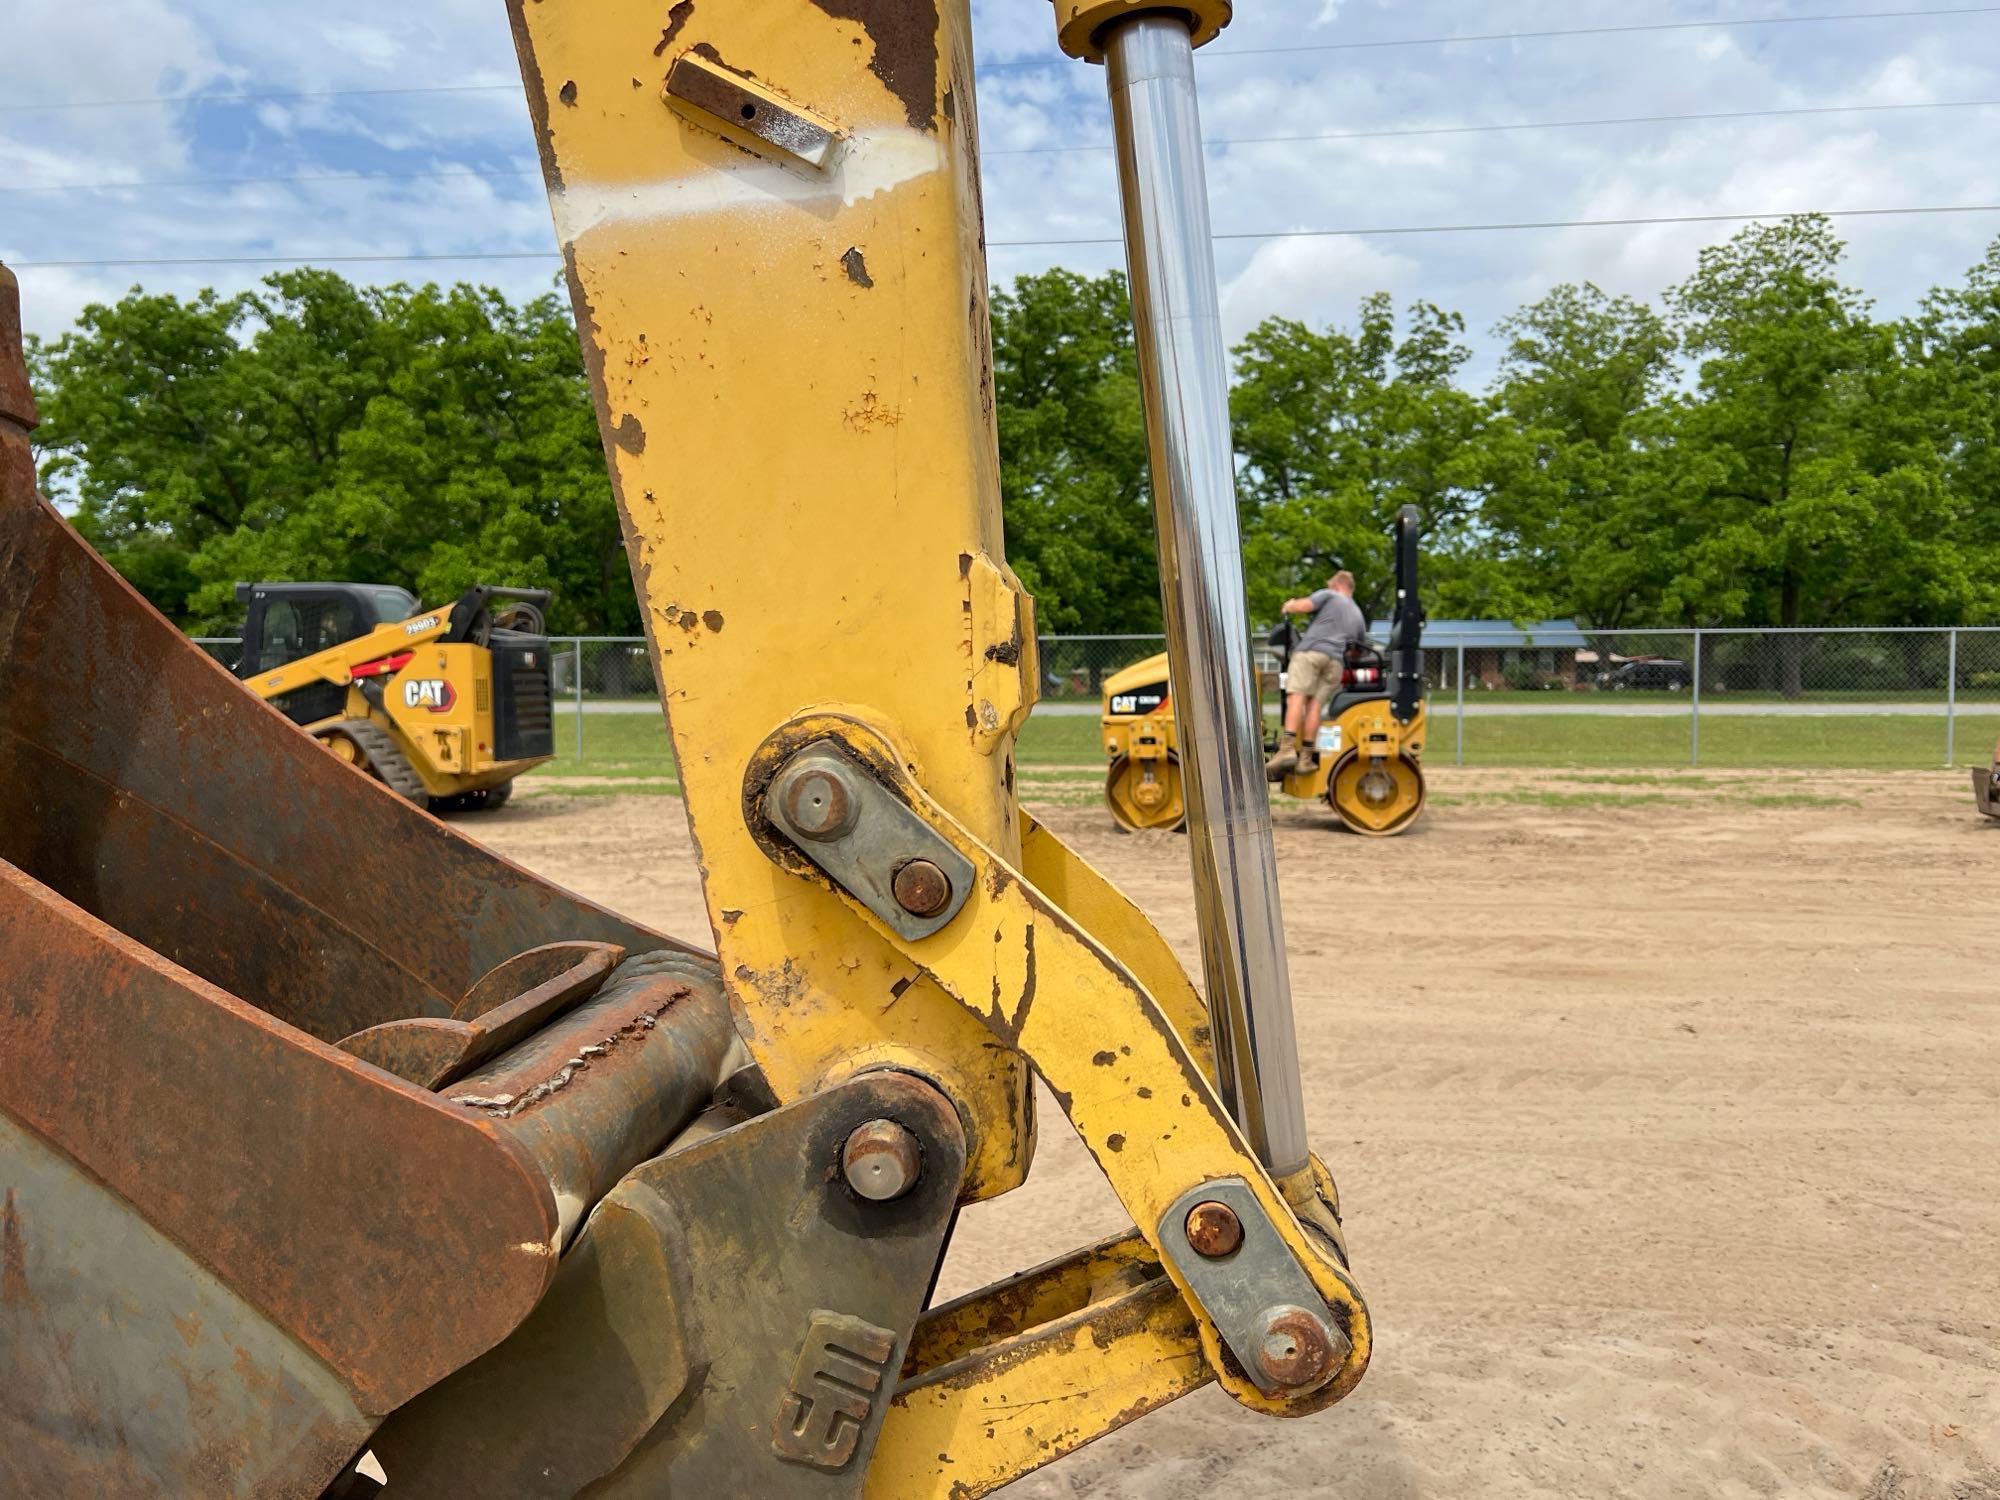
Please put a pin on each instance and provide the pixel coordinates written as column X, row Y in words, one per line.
column 1495, row 634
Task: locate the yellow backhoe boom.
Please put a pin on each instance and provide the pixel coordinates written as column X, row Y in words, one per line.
column 491, row 1191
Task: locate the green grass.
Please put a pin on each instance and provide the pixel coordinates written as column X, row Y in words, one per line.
column 625, row 745
column 1542, row 797
column 1634, row 778
column 1067, row 748
column 1071, row 740
column 613, row 745
column 624, row 786
column 1845, row 742
column 1446, row 698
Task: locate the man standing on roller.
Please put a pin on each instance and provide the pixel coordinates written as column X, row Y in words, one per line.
column 1313, row 674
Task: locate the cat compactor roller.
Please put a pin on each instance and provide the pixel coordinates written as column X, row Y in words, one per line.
column 339, row 1156
column 444, row 706
column 1143, row 784
column 1368, row 761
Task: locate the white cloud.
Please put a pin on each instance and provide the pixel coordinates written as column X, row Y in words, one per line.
column 60, row 50
column 1318, row 282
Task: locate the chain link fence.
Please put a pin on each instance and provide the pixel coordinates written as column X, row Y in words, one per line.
column 1556, row 695
column 1840, row 697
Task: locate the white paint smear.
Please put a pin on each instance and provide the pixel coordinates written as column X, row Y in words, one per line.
column 863, row 166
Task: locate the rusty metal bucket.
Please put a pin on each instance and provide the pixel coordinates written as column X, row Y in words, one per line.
column 227, row 1246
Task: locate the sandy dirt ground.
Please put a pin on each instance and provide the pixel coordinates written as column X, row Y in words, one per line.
column 1666, row 1114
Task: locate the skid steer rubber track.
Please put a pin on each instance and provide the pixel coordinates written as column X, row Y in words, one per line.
column 381, row 756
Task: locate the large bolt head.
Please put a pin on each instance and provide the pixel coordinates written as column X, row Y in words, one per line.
column 922, row 889
column 1214, row 1230
column 881, row 1160
column 1299, row 1351
column 819, row 803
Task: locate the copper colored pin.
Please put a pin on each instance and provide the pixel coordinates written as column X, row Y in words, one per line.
column 921, row 888
column 1214, row 1230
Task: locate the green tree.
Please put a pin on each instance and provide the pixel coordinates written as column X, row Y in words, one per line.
column 426, row 437
column 1336, row 431
column 1582, row 375
column 1806, row 474
column 143, row 427
column 1073, row 452
column 1768, row 453
column 1953, row 349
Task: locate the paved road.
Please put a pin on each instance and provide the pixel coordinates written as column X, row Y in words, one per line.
column 1608, row 706
column 1619, row 707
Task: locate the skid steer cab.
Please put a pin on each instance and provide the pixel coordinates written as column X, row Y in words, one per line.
column 1369, row 754
column 445, row 706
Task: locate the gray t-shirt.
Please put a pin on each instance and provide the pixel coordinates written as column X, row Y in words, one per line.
column 1337, row 621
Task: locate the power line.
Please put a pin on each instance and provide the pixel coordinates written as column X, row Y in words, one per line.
column 1494, row 129
column 1207, row 54
column 1504, row 226
column 1271, row 234
column 279, row 260
column 289, row 96
column 1526, row 36
column 496, row 173
column 284, row 177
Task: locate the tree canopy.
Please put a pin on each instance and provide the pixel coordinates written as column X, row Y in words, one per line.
column 317, row 430
column 1759, row 449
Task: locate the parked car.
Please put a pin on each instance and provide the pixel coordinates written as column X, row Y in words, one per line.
column 1662, row 676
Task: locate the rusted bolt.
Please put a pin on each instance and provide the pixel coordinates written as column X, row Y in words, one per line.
column 881, row 1160
column 1214, row 1230
column 819, row 804
column 921, row 888
column 1297, row 1351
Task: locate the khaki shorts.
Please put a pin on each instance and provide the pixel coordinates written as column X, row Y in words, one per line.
column 1313, row 673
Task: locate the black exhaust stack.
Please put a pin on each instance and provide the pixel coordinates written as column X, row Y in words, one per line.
column 1406, row 625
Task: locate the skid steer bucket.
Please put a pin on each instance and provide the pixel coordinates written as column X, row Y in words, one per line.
column 1984, row 793
column 228, row 1246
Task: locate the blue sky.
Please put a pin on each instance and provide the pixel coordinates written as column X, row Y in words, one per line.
column 68, row 53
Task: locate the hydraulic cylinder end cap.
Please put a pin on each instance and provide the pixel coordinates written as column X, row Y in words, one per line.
column 1081, row 24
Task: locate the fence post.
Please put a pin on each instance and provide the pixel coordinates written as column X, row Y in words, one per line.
column 1694, row 716
column 1461, row 703
column 1951, row 701
column 576, row 646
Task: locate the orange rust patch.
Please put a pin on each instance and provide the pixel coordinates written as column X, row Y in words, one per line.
column 870, row 411
column 13, row 1256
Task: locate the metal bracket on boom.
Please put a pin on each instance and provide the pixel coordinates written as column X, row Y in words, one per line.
column 1280, row 1322
column 868, row 843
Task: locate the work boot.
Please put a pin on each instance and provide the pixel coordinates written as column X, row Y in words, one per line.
column 1281, row 764
column 1308, row 763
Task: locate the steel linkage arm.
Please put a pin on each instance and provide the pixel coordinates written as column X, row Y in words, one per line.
column 1280, row 1322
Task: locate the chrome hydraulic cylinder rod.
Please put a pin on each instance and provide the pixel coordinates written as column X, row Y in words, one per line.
column 1184, row 384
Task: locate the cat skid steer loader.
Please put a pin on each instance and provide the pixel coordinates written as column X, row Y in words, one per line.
column 446, row 706
column 341, row 1156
